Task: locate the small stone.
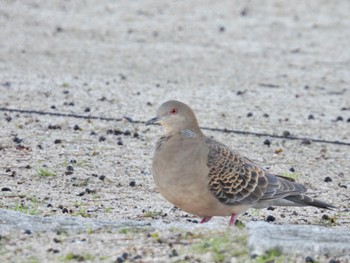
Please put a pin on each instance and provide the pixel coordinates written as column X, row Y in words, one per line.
column 348, row 120
column 64, row 210
column 244, row 11
column 271, row 208
column 81, row 194
column 56, row 240
column 221, row 29
column 309, row 259
column 267, row 142
column 326, row 217
column 339, row 118
column 119, row 260
column 120, row 142
column 17, row 140
column 311, row 117
column 286, row 133
column 101, row 139
column 87, row 109
column 132, row 183
column 292, row 169
column 76, row 127
column 278, row 150
column 27, row 166
column 54, row 127
column 57, row 141
column 93, row 133
column 28, row 232
column 49, row 205
column 265, row 115
column 136, row 135
column 249, row 114
column 127, row 133
column 6, row 189
column 102, row 177
column 89, row 191
column 270, row 218
column 306, row 142
column 328, row 179
column 174, row 253
column 125, row 255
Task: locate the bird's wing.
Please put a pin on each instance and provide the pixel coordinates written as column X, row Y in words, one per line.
column 235, row 180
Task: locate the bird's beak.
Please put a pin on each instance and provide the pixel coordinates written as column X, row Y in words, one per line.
column 153, row 120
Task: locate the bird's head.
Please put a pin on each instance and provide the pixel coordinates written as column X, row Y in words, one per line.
column 175, row 116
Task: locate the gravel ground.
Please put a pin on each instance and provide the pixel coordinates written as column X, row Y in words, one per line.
column 277, row 68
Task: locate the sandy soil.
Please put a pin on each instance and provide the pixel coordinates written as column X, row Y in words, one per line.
column 242, row 65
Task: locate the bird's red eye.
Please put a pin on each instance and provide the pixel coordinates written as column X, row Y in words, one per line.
column 173, row 111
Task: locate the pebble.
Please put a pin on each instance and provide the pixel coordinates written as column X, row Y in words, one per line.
column 278, row 150
column 339, row 118
column 28, row 232
column 221, row 29
column 102, row 177
column 249, row 114
column 286, row 134
column 64, row 210
column 57, row 141
column 6, row 189
column 119, row 260
column 328, row 179
column 311, row 117
column 292, row 169
column 267, row 142
column 270, row 218
column 266, row 115
column 309, row 259
column 87, row 109
column 174, row 253
column 120, row 142
column 306, row 142
column 132, row 183
column 76, row 127
column 69, row 170
column 89, row 191
column 17, row 140
column 54, row 127
column 101, row 139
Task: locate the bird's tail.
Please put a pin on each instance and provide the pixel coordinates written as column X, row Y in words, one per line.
column 305, row 200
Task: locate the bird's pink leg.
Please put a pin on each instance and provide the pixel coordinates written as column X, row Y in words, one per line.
column 205, row 219
column 233, row 219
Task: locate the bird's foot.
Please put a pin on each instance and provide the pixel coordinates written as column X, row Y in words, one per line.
column 233, row 219
column 205, row 219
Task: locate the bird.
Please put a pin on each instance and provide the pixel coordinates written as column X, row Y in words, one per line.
column 207, row 178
